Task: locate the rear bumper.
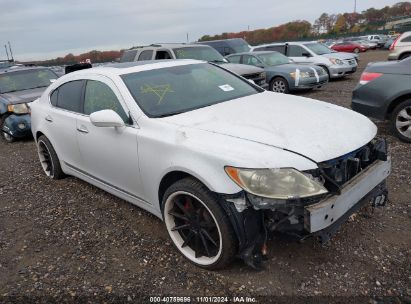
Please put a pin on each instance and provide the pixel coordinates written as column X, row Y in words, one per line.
column 393, row 56
column 369, row 109
column 18, row 126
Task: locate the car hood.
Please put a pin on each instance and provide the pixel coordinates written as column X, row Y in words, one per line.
column 241, row 69
column 340, row 55
column 22, row 96
column 320, row 131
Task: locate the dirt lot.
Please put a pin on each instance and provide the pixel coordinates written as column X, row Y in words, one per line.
column 67, row 240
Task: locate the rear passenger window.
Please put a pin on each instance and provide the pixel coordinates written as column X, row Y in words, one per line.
column 128, row 56
column 295, row 51
column 53, row 97
column 406, row 39
column 145, row 55
column 69, row 96
column 277, row 48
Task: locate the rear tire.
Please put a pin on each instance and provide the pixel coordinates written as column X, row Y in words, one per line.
column 401, row 121
column 49, row 159
column 279, row 85
column 197, row 225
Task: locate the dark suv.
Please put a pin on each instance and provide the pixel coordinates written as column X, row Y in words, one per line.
column 20, row 85
column 193, row 51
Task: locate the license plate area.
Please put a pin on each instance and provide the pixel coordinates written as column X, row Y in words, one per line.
column 324, row 213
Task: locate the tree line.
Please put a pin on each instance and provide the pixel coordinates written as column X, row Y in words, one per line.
column 327, row 24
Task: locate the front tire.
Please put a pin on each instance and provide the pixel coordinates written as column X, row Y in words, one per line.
column 279, row 85
column 401, row 121
column 197, row 225
column 356, row 50
column 49, row 159
column 6, row 137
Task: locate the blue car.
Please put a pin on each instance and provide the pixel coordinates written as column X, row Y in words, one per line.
column 20, row 85
column 282, row 74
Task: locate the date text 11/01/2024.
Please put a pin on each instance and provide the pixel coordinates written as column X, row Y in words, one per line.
column 201, row 299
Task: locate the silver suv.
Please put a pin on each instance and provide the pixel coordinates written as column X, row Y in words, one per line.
column 192, row 51
column 401, row 47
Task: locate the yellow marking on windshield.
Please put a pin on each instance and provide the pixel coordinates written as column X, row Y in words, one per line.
column 159, row 90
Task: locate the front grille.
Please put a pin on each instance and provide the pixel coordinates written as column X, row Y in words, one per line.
column 336, row 172
column 350, row 61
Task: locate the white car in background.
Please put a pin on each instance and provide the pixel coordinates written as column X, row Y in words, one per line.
column 219, row 159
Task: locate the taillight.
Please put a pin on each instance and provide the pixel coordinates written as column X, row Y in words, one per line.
column 395, row 42
column 367, row 77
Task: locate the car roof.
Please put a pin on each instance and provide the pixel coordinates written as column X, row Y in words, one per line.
column 136, row 66
column 167, row 45
column 252, row 53
column 15, row 68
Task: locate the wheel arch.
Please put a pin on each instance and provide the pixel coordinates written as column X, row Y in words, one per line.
column 172, row 177
column 404, row 55
column 395, row 102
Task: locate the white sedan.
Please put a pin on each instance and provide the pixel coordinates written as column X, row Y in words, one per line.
column 220, row 160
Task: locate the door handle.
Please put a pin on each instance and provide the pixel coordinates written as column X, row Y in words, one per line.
column 82, row 129
column 48, row 118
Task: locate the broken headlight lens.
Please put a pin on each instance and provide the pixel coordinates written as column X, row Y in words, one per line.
column 20, row 108
column 286, row 183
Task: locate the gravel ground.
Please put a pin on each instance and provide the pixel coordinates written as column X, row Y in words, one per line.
column 69, row 241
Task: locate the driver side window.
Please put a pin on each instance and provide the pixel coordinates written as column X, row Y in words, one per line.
column 98, row 96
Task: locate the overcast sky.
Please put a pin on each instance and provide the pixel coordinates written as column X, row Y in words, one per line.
column 42, row 29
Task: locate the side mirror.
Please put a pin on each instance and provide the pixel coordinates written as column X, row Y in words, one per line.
column 106, row 119
column 306, row 54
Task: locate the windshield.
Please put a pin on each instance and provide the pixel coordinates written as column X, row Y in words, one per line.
column 25, row 80
column 273, row 58
column 318, row 48
column 201, row 53
column 168, row 91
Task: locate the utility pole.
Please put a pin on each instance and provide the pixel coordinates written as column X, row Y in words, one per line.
column 7, row 53
column 355, row 6
column 11, row 53
column 187, row 37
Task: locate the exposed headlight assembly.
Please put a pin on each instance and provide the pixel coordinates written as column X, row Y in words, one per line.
column 336, row 61
column 21, row 108
column 283, row 184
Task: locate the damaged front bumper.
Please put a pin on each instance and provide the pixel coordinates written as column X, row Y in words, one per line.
column 254, row 217
column 18, row 126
